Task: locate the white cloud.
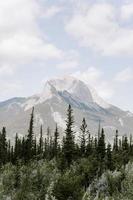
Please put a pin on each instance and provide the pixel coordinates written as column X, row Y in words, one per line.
column 21, row 40
column 90, row 76
column 72, row 64
column 70, row 60
column 100, row 28
column 127, row 11
column 6, row 70
column 23, row 48
column 125, row 75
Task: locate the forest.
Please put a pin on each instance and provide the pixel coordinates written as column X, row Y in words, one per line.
column 51, row 168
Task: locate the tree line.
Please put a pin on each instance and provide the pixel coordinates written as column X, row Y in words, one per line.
column 65, row 152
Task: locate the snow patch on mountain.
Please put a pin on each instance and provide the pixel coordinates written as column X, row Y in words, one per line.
column 38, row 119
column 59, row 119
column 121, row 122
column 129, row 114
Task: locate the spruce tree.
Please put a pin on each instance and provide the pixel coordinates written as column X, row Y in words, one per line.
column 40, row 147
column 3, row 146
column 116, row 146
column 68, row 143
column 56, row 138
column 16, row 153
column 83, row 137
column 34, row 151
column 9, row 151
column 30, row 137
column 101, row 146
column 109, row 162
column 101, row 151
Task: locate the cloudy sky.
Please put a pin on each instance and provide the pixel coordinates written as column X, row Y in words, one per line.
column 90, row 39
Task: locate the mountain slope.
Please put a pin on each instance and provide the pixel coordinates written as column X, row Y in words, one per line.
column 51, row 104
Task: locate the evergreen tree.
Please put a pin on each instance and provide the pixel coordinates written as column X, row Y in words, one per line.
column 83, row 137
column 34, row 151
column 125, row 150
column 101, row 146
column 30, row 137
column 116, row 146
column 101, row 151
column 9, row 151
column 16, row 148
column 12, row 155
column 69, row 144
column 56, row 144
column 125, row 145
column 109, row 162
column 40, row 148
column 90, row 145
column 3, row 146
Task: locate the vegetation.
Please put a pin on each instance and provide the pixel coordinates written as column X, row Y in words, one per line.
column 47, row 169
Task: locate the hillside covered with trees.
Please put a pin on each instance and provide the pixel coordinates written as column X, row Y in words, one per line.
column 50, row 169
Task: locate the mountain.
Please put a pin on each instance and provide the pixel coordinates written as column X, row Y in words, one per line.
column 50, row 108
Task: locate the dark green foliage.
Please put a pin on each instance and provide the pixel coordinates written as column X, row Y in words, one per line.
column 87, row 168
column 40, row 147
column 83, row 137
column 109, row 161
column 75, row 165
column 30, row 137
column 68, row 186
column 3, row 147
column 101, row 147
column 56, row 146
column 115, row 146
column 68, row 143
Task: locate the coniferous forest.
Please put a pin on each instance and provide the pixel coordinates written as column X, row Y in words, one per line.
column 52, row 169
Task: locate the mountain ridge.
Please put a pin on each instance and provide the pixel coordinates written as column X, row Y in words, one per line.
column 51, row 104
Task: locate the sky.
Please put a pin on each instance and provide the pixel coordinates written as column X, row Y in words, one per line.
column 89, row 39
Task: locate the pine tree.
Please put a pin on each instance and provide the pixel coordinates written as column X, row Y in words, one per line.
column 90, row 145
column 116, row 146
column 40, row 148
column 24, row 149
column 12, row 155
column 69, row 144
column 101, row 151
column 48, row 143
column 125, row 145
column 4, row 145
column 99, row 129
column 83, row 137
column 9, row 151
column 56, row 138
column 30, row 137
column 101, row 146
column 16, row 156
column 125, row 150
column 34, row 150
column 109, row 162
